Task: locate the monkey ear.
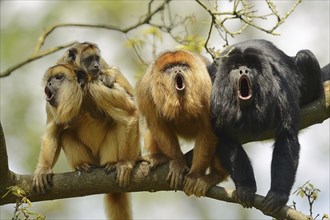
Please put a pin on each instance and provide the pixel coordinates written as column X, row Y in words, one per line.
column 81, row 77
column 72, row 54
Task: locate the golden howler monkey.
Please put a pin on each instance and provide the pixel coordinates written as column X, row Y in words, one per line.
column 174, row 96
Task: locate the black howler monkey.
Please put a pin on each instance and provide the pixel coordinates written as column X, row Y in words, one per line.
column 257, row 87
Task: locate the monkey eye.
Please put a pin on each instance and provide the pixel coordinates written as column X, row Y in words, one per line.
column 59, row 76
column 169, row 66
column 183, row 65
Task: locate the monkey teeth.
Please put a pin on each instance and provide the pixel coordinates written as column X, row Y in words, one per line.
column 179, row 82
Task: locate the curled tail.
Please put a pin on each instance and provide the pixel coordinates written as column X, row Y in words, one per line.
column 118, row 206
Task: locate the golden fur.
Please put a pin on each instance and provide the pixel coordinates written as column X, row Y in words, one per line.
column 172, row 113
column 96, row 126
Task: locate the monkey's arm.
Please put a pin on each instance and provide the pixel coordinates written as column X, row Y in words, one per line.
column 115, row 101
column 120, row 79
column 49, row 153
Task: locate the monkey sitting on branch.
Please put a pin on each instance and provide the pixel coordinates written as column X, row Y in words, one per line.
column 94, row 119
column 174, row 97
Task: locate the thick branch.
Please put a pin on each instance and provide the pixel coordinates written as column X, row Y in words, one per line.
column 76, row 184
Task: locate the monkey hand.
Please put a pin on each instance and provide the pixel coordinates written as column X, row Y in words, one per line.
column 124, row 170
column 176, row 173
column 107, row 80
column 274, row 201
column 245, row 195
column 43, row 179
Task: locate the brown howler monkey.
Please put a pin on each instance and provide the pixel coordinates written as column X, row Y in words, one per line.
column 87, row 56
column 95, row 125
column 174, row 96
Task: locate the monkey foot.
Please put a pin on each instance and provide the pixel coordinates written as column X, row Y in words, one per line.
column 177, row 170
column 199, row 186
column 245, row 196
column 274, row 201
column 84, row 167
column 124, row 170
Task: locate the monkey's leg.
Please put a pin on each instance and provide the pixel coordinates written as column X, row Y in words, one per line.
column 155, row 157
column 77, row 154
column 165, row 142
column 203, row 155
column 235, row 160
column 119, row 152
column 283, row 170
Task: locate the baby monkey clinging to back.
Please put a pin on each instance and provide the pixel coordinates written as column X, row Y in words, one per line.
column 174, row 96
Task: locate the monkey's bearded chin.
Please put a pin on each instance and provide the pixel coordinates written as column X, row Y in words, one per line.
column 180, row 84
column 245, row 90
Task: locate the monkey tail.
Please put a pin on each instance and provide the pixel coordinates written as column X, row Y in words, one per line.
column 118, row 206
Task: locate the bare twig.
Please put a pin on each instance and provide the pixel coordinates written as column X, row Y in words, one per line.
column 34, row 57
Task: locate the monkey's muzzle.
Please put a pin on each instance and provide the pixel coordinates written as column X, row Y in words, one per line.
column 50, row 96
column 244, row 90
column 180, row 84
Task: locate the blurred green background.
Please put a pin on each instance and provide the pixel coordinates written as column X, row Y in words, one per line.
column 22, row 100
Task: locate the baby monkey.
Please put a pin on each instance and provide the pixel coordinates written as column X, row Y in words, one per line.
column 87, row 56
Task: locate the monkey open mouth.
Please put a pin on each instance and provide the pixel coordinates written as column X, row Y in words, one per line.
column 245, row 90
column 49, row 94
column 180, row 84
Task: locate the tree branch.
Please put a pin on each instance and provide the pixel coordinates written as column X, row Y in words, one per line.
column 77, row 184
column 34, row 57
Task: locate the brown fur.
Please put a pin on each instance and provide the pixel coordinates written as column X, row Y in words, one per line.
column 97, row 126
column 171, row 114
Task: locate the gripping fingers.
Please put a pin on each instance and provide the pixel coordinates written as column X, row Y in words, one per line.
column 42, row 182
column 176, row 173
column 124, row 170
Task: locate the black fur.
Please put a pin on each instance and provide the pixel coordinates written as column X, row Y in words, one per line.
column 326, row 73
column 308, row 66
column 275, row 82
